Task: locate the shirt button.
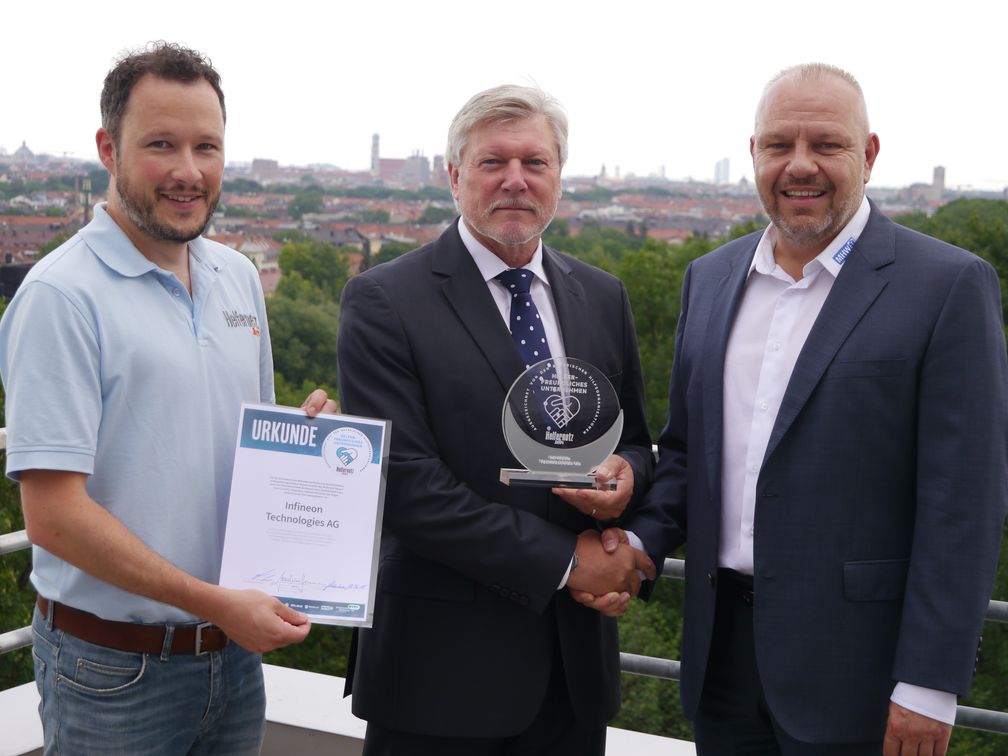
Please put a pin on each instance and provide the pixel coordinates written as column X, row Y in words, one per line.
column 754, row 468
column 177, row 292
column 776, row 347
column 763, row 406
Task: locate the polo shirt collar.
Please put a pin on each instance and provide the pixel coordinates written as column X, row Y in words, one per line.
column 110, row 244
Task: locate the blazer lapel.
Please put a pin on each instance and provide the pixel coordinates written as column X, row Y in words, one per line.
column 572, row 307
column 467, row 294
column 857, row 285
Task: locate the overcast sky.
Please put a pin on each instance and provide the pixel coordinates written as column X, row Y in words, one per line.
column 646, row 84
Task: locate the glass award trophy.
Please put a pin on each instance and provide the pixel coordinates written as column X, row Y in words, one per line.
column 561, row 420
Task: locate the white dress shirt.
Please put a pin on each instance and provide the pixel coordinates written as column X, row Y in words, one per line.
column 773, row 321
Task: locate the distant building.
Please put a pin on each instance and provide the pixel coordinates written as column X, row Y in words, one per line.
column 921, row 196
column 413, row 171
column 23, row 155
column 721, row 172
column 265, row 169
column 439, row 172
column 416, row 171
column 21, row 236
column 938, row 183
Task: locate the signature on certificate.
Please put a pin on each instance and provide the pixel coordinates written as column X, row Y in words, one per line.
column 285, row 583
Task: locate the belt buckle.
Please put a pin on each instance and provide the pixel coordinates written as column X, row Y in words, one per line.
column 199, row 638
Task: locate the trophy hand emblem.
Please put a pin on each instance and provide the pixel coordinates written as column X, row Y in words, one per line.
column 560, row 410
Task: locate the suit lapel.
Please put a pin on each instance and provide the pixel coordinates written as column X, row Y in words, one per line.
column 857, row 285
column 467, row 294
column 572, row 306
column 724, row 305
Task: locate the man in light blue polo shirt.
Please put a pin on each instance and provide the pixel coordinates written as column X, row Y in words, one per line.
column 125, row 355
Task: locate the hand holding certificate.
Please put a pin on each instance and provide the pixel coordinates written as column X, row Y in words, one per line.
column 305, row 512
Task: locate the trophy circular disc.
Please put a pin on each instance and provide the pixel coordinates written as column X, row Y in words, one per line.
column 557, row 407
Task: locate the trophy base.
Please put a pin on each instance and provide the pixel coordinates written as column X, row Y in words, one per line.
column 552, row 479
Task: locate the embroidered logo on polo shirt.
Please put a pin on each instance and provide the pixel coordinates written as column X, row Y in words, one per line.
column 235, row 319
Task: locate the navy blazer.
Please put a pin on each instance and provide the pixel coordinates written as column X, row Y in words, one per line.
column 882, row 494
column 467, row 612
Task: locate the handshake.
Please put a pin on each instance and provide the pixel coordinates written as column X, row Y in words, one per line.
column 609, row 571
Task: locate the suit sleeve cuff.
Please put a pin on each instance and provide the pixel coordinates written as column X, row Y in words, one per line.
column 638, row 544
column 566, row 577
column 635, row 541
column 936, row 704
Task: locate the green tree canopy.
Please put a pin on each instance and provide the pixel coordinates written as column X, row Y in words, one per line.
column 978, row 225
column 320, row 264
column 390, row 250
column 243, row 185
column 293, row 235
column 306, row 202
column 303, row 334
column 433, row 214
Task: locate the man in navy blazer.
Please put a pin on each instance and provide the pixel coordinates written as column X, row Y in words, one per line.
column 477, row 648
column 835, row 453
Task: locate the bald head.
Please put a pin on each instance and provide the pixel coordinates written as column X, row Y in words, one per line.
column 812, row 74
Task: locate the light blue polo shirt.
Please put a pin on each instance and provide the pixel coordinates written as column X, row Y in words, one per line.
column 111, row 369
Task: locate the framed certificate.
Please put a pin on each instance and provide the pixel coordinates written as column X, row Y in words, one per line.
column 305, row 512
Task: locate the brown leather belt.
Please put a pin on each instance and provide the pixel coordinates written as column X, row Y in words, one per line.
column 127, row 636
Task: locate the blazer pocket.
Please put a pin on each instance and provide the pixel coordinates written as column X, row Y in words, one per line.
column 406, row 577
column 875, row 580
column 866, row 369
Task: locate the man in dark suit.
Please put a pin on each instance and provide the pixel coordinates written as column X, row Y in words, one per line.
column 835, row 452
column 476, row 646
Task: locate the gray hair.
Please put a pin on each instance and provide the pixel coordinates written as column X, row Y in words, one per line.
column 815, row 72
column 509, row 102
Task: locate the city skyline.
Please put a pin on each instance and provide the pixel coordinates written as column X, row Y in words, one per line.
column 650, row 90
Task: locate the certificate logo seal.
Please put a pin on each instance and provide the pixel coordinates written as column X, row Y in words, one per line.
column 347, row 451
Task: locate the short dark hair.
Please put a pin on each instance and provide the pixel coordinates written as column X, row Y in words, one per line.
column 162, row 59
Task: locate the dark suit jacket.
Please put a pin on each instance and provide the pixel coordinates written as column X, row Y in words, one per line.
column 882, row 493
column 467, row 611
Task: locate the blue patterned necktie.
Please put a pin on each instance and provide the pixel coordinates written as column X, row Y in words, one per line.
column 526, row 325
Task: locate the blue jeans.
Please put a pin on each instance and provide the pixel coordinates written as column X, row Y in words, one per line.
column 98, row 700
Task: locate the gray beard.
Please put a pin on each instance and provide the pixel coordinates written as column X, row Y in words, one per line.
column 825, row 232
